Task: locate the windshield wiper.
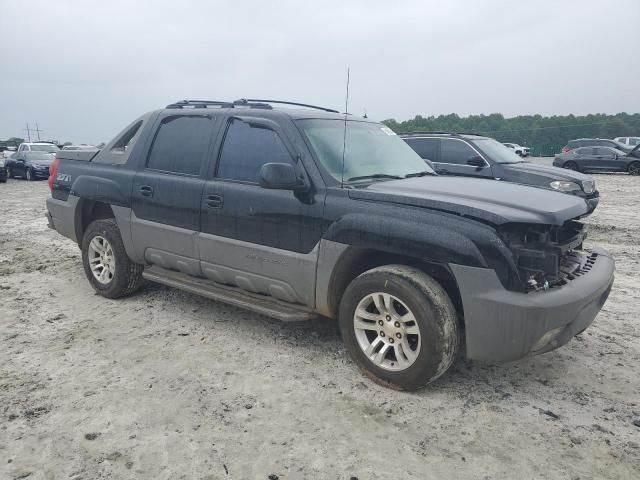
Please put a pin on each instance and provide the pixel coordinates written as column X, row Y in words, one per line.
column 419, row 174
column 375, row 175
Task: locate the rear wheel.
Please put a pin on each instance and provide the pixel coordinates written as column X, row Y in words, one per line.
column 571, row 166
column 399, row 326
column 634, row 168
column 106, row 264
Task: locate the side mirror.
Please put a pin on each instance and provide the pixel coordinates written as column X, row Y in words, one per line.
column 476, row 161
column 280, row 176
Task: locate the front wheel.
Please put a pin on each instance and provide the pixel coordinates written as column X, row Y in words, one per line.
column 634, row 168
column 571, row 166
column 400, row 326
column 9, row 173
column 29, row 175
column 106, row 264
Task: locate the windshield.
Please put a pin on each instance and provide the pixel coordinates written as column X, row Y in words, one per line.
column 40, row 157
column 371, row 150
column 44, row 148
column 496, row 151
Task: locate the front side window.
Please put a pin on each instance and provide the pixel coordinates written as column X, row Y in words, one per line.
column 370, row 150
column 456, row 151
column 427, row 148
column 180, row 145
column 246, row 149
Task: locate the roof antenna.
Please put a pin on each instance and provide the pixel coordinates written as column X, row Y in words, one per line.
column 344, row 137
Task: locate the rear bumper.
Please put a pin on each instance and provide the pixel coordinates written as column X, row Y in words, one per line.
column 502, row 325
column 61, row 216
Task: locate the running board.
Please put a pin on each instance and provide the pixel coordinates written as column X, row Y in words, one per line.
column 262, row 304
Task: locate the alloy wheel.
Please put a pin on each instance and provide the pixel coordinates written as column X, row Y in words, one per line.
column 387, row 331
column 102, row 261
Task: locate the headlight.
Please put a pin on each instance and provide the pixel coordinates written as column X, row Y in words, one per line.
column 589, row 186
column 563, row 186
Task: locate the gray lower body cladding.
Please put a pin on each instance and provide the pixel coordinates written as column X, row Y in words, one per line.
column 502, row 325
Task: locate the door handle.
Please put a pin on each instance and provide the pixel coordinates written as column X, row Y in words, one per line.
column 146, row 191
column 215, row 201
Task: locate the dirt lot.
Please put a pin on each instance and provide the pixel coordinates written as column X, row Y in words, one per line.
column 168, row 385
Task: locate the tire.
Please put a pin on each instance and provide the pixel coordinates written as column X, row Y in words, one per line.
column 571, row 166
column 124, row 277
column 29, row 175
column 414, row 295
column 634, row 168
column 9, row 173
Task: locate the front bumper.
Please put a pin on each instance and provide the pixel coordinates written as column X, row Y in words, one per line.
column 40, row 174
column 501, row 325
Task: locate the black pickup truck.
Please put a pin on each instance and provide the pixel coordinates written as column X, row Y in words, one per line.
column 303, row 212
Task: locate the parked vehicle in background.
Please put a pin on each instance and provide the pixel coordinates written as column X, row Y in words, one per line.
column 635, row 153
column 598, row 159
column 3, row 170
column 79, row 147
column 629, row 141
column 477, row 156
column 595, row 142
column 266, row 209
column 518, row 149
column 8, row 151
column 30, row 165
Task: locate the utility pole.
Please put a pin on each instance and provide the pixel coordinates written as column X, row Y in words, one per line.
column 28, row 132
column 38, row 131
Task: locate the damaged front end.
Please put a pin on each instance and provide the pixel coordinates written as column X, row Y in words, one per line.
column 547, row 256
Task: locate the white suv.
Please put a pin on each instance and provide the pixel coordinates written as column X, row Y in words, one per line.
column 630, row 141
column 518, row 149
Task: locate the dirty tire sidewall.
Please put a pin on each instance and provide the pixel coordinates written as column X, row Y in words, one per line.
column 435, row 314
column 128, row 275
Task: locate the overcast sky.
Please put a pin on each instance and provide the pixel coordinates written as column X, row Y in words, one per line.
column 84, row 69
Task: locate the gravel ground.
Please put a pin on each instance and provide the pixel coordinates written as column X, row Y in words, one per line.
column 167, row 385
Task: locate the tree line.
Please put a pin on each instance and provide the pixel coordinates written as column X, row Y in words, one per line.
column 544, row 135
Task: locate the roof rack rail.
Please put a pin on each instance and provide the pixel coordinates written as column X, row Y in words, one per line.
column 282, row 102
column 243, row 102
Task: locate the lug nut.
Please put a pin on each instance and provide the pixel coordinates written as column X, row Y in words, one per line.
column 381, row 333
column 380, row 322
column 397, row 324
column 388, row 318
column 398, row 335
column 390, row 340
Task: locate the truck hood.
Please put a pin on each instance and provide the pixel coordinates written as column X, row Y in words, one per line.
column 546, row 171
column 488, row 201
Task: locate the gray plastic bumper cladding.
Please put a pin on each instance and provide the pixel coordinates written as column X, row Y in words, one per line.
column 502, row 325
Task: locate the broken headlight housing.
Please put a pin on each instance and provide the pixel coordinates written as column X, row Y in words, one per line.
column 542, row 252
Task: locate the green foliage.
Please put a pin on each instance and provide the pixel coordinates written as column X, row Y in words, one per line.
column 544, row 135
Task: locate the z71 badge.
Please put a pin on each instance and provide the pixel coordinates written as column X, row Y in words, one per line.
column 63, row 177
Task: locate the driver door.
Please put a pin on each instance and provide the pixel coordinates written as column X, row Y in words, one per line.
column 454, row 154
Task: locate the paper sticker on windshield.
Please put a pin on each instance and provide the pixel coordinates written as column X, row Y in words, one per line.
column 387, row 130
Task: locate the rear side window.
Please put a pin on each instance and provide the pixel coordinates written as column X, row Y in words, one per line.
column 583, row 151
column 427, row 148
column 246, row 149
column 181, row 144
column 455, row 151
column 122, row 144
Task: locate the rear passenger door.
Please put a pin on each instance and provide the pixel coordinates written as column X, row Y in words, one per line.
column 608, row 159
column 167, row 190
column 258, row 239
column 454, row 154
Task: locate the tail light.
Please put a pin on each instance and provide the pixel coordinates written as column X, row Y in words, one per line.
column 565, row 149
column 53, row 168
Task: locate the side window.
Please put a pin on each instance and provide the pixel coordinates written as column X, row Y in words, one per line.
column 180, row 144
column 455, row 151
column 427, row 148
column 603, row 151
column 246, row 149
column 123, row 142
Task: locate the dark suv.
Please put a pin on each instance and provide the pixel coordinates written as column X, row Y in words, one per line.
column 596, row 142
column 471, row 155
column 299, row 213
